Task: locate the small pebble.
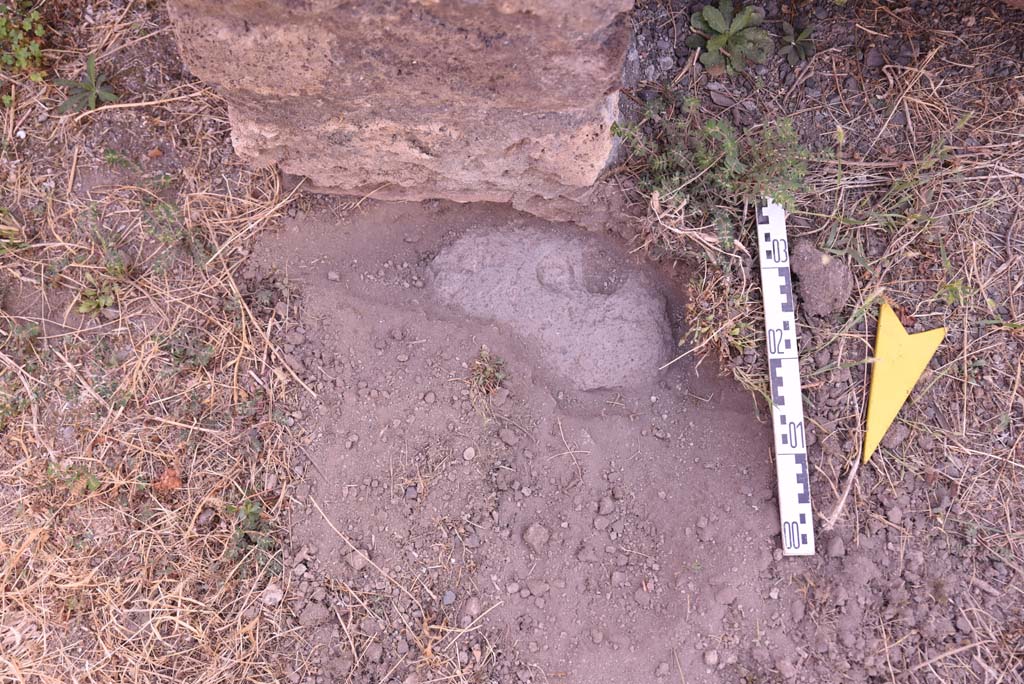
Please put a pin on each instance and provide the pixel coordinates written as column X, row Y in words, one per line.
column 333, row 276
column 357, row 560
column 272, row 595
column 895, row 515
column 536, row 536
column 509, row 437
column 473, row 607
column 786, row 669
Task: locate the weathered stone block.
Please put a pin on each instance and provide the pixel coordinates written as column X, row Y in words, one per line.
column 486, row 100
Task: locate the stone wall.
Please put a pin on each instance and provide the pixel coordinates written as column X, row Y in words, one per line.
column 468, row 100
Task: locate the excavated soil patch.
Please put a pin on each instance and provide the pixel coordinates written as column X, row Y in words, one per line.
column 593, row 519
column 593, row 322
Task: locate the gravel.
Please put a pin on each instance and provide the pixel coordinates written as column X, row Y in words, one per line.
column 536, row 537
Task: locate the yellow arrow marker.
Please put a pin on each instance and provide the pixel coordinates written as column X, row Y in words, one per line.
column 900, row 359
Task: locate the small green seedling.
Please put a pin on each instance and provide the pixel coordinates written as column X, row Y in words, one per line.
column 96, row 298
column 117, row 264
column 796, row 47
column 88, row 92
column 253, row 534
column 729, row 40
column 701, row 175
column 115, row 158
column 26, row 334
column 21, row 40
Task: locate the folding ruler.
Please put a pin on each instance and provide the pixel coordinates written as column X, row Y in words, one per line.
column 784, row 377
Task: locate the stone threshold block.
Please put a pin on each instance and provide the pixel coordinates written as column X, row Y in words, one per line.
column 486, row 100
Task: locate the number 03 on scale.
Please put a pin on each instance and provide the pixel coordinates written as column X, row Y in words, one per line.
column 784, row 378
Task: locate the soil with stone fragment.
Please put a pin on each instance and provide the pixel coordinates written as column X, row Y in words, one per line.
column 590, row 518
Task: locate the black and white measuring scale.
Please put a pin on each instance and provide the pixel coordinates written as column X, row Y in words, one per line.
column 784, row 378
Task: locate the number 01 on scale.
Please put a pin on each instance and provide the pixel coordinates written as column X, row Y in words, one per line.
column 784, row 378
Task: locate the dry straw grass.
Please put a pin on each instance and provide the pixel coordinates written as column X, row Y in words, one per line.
column 144, row 461
column 948, row 190
column 919, row 185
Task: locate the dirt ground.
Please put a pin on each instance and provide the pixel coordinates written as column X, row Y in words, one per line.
column 566, row 522
column 255, row 434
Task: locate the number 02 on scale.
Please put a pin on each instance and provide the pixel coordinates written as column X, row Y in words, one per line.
column 784, row 378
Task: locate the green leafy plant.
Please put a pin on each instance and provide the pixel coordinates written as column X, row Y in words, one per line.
column 21, row 40
column 95, row 298
column 117, row 264
column 701, row 179
column 253, row 535
column 796, row 47
column 115, row 158
column 11, row 404
column 188, row 349
column 729, row 40
column 956, row 292
column 163, row 221
column 26, row 334
column 701, row 176
column 72, row 477
column 88, row 92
